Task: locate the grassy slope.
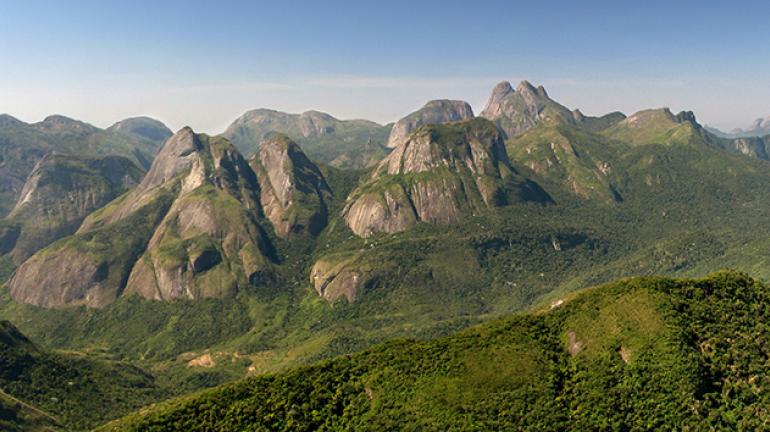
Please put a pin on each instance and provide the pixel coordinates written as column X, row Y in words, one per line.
column 639, row 354
column 78, row 390
column 18, row 416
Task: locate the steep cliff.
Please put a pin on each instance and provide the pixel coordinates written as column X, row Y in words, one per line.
column 189, row 230
column 434, row 112
column 59, row 193
column 438, row 174
column 293, row 192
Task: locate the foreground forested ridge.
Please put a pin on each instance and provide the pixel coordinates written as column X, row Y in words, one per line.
column 637, row 354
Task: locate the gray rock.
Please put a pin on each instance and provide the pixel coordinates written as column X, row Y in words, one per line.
column 434, row 112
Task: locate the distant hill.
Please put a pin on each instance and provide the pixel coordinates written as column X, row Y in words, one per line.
column 340, row 143
column 59, row 193
column 22, row 145
column 758, row 128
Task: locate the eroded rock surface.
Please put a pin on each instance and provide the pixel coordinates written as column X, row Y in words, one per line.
column 434, row 112
column 439, row 173
column 293, row 192
column 191, row 229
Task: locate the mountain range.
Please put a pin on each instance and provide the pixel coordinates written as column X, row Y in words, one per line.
column 294, row 238
column 758, row 128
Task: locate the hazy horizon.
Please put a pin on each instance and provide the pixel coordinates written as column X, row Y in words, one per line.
column 203, row 65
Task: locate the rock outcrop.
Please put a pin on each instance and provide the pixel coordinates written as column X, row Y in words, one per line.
column 438, row 174
column 59, row 193
column 517, row 111
column 293, row 192
column 22, row 145
column 338, row 277
column 191, row 229
column 758, row 147
column 434, row 112
column 341, row 143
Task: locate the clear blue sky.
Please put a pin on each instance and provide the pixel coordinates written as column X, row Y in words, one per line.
column 203, row 63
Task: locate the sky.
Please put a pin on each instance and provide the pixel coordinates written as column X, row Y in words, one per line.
column 204, row 63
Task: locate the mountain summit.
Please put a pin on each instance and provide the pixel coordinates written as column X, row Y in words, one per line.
column 191, row 229
column 439, row 173
column 435, row 111
column 293, row 192
column 516, row 111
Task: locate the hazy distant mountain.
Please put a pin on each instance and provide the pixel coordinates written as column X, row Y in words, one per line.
column 22, row 145
column 759, row 128
column 340, row 143
column 517, row 111
column 143, row 128
column 59, row 193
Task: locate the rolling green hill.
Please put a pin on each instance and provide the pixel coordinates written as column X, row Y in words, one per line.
column 18, row 416
column 638, row 354
column 77, row 390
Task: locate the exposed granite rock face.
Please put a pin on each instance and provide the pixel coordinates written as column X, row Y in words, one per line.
column 758, row 147
column 76, row 277
column 517, row 111
column 191, row 229
column 439, row 173
column 293, row 192
column 61, row 191
column 23, row 145
column 335, row 278
column 434, row 112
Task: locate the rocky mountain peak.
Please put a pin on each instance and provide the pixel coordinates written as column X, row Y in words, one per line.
column 433, row 112
column 477, row 143
column 502, row 89
column 176, row 155
column 687, row 117
column 526, row 87
column 517, row 111
column 760, row 123
column 293, row 192
column 462, row 167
